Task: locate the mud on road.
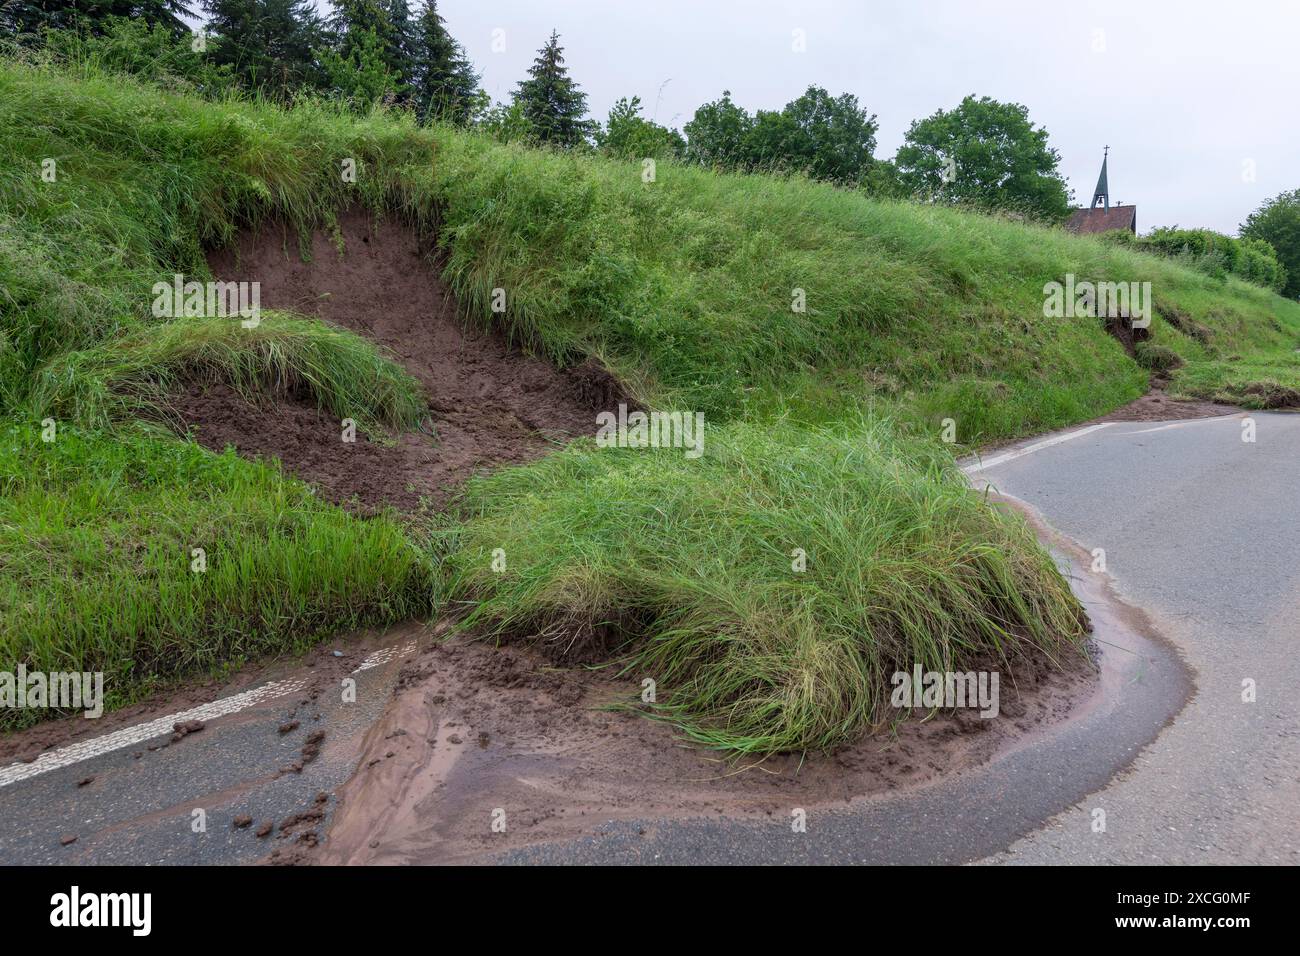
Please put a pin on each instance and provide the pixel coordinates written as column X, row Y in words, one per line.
column 477, row 735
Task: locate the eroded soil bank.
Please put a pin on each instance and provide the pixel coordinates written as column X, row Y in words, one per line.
column 490, row 404
column 486, row 749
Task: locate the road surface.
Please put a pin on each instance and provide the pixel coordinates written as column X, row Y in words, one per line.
column 1201, row 529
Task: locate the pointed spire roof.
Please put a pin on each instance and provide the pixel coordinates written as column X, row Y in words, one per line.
column 1102, row 192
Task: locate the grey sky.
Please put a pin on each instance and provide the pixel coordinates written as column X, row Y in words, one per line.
column 1187, row 94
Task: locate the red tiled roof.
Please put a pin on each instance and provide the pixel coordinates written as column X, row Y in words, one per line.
column 1103, row 220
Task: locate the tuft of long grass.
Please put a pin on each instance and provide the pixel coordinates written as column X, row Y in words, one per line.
column 690, row 568
column 344, row 372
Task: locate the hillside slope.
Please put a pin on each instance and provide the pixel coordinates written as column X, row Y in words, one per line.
column 822, row 434
column 686, row 286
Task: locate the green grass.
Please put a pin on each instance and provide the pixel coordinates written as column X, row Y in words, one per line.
column 97, row 539
column 1250, row 382
column 685, row 287
column 822, row 427
column 133, row 372
column 695, row 564
column 96, row 528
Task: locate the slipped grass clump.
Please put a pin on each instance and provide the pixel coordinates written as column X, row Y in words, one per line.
column 127, row 374
column 687, row 570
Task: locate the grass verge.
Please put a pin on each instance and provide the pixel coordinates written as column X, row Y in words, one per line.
column 97, row 561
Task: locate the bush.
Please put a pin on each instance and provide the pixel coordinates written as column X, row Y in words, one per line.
column 149, row 51
column 1277, row 223
column 1211, row 253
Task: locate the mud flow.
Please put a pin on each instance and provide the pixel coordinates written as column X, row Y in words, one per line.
column 490, row 404
column 1157, row 406
column 478, row 735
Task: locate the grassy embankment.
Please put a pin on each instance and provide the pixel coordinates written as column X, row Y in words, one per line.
column 822, row 425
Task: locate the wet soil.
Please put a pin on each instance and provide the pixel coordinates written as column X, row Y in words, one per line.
column 490, row 404
column 320, row 668
column 485, row 749
column 1157, row 406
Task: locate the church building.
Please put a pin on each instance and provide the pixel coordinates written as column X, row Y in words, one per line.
column 1107, row 217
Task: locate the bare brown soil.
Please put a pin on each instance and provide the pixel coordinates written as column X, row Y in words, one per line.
column 1156, row 406
column 489, row 403
column 475, row 730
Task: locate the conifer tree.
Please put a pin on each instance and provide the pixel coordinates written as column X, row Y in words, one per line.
column 445, row 81
column 552, row 102
column 268, row 43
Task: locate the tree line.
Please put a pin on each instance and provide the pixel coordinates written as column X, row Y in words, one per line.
column 982, row 153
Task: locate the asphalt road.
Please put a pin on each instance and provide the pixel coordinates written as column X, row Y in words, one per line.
column 1199, row 528
column 177, row 804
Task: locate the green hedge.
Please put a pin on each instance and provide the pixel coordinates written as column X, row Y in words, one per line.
column 1212, row 253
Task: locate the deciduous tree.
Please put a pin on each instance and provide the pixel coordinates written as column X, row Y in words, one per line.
column 987, row 154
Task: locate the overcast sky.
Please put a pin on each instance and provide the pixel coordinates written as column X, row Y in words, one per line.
column 1197, row 99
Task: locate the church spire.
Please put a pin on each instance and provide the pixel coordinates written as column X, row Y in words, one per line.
column 1102, row 193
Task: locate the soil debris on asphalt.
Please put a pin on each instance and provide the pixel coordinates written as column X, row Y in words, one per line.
column 556, row 757
column 1157, row 406
column 184, row 728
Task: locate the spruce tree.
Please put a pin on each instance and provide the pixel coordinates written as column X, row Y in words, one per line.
column 552, row 102
column 400, row 43
column 26, row 18
column 353, row 23
column 445, row 81
column 268, row 43
column 352, row 19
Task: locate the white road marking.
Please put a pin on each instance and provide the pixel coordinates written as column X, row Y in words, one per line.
column 1029, row 449
column 1191, row 421
column 161, row 726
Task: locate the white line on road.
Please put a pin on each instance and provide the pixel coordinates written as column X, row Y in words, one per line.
column 139, row 733
column 1182, row 424
column 1028, row 449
